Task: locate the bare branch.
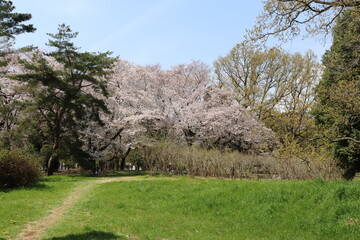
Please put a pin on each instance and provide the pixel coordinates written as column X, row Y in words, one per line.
column 283, row 18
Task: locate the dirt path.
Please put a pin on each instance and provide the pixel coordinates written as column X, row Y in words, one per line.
column 35, row 229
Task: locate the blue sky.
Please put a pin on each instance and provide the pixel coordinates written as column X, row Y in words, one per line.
column 167, row 32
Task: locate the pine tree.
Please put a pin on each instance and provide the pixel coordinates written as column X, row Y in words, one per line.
column 66, row 87
column 11, row 24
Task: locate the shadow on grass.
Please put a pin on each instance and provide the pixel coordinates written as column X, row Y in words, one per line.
column 109, row 174
column 60, row 179
column 77, row 178
column 125, row 173
column 93, row 235
column 35, row 186
column 38, row 186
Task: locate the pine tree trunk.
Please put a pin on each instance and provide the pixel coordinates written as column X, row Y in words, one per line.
column 53, row 164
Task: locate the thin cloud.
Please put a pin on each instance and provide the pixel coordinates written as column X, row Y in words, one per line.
column 134, row 24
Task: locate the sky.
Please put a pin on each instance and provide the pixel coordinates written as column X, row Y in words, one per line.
column 146, row 32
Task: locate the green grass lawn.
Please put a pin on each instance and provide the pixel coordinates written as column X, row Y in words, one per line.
column 185, row 208
column 20, row 206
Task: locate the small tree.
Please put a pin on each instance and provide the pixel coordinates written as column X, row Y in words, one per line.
column 62, row 86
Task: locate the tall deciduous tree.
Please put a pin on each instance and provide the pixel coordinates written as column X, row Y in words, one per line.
column 61, row 86
column 338, row 93
column 257, row 75
column 272, row 83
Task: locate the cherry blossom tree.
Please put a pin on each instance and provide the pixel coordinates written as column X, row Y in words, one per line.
column 178, row 103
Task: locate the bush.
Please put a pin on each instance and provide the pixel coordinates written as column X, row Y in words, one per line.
column 17, row 169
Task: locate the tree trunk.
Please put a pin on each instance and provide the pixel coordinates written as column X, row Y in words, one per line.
column 117, row 163
column 53, row 164
column 122, row 164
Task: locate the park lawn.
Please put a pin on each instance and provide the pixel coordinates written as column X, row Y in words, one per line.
column 24, row 205
column 186, row 208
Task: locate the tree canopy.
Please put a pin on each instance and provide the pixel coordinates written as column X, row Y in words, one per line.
column 270, row 82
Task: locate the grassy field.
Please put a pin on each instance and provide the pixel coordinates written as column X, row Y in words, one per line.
column 186, row 208
column 24, row 205
column 215, row 209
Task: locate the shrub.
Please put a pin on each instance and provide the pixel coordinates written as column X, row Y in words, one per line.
column 18, row 169
column 305, row 161
column 179, row 158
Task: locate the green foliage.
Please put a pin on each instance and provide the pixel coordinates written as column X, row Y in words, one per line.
column 135, row 157
column 302, row 159
column 66, row 88
column 11, row 23
column 277, row 86
column 184, row 208
column 18, row 169
column 338, row 99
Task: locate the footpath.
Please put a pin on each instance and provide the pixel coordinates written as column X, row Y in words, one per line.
column 34, row 230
